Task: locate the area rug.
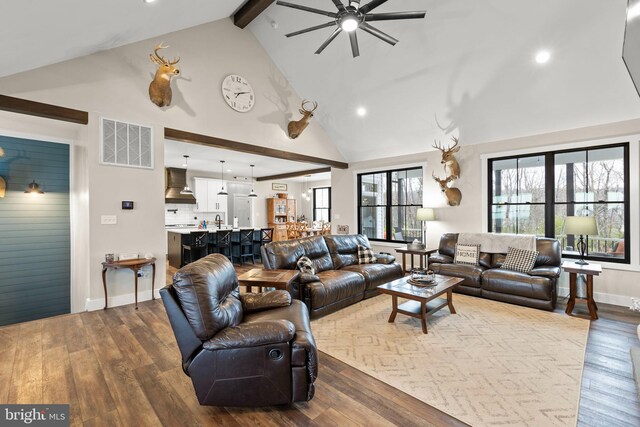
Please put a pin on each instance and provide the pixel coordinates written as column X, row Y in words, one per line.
column 490, row 364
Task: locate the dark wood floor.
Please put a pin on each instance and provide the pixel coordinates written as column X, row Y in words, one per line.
column 121, row 367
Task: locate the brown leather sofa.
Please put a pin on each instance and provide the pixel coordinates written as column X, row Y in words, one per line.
column 339, row 280
column 535, row 289
column 239, row 349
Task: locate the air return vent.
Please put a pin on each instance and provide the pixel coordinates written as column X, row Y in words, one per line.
column 126, row 144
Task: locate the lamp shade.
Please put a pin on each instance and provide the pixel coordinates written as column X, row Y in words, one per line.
column 425, row 214
column 581, row 225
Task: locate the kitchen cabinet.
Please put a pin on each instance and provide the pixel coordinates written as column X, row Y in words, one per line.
column 279, row 212
column 206, row 193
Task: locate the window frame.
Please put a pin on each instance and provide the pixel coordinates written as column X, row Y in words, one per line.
column 388, row 206
column 550, row 196
column 328, row 209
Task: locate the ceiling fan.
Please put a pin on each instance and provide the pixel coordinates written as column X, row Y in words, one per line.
column 351, row 17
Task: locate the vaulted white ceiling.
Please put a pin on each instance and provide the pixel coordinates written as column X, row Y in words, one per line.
column 468, row 69
column 41, row 32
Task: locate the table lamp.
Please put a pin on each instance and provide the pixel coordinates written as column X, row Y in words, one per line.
column 424, row 215
column 581, row 226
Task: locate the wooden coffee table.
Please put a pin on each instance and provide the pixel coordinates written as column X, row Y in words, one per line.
column 279, row 279
column 419, row 297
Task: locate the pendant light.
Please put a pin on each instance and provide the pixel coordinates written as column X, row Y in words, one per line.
column 186, row 189
column 253, row 193
column 34, row 188
column 222, row 192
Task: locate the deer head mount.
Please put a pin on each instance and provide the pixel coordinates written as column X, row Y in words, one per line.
column 451, row 165
column 452, row 194
column 160, row 87
column 295, row 128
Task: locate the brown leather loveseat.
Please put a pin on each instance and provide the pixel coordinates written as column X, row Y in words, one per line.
column 239, row 349
column 536, row 288
column 339, row 280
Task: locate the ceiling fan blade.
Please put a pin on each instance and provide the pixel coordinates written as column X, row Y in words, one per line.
column 306, row 30
column 329, row 40
column 372, row 5
column 394, row 15
column 307, row 9
column 379, row 34
column 354, row 44
column 339, row 5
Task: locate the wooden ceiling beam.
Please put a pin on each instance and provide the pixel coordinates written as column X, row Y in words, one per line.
column 293, row 174
column 39, row 109
column 212, row 141
column 250, row 11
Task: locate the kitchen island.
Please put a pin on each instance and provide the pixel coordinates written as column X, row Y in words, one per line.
column 176, row 237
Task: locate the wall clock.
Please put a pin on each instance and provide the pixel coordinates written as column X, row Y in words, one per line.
column 238, row 93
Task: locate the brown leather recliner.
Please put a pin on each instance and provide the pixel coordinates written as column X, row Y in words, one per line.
column 536, row 288
column 239, row 349
column 339, row 280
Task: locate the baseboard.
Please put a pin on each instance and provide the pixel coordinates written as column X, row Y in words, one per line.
column 98, row 304
column 621, row 300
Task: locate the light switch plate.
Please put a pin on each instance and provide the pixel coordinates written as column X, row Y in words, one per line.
column 108, row 220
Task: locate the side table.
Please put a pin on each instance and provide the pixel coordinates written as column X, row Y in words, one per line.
column 134, row 265
column 588, row 270
column 423, row 254
column 279, row 279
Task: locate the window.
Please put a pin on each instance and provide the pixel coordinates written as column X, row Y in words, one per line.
column 533, row 194
column 387, row 204
column 322, row 204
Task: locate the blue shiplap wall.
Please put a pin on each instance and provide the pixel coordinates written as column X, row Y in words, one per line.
column 35, row 260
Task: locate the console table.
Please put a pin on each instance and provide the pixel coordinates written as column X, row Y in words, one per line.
column 588, row 270
column 422, row 253
column 132, row 264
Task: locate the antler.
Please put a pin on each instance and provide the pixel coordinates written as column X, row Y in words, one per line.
column 433, row 175
column 448, row 149
column 314, row 103
column 160, row 59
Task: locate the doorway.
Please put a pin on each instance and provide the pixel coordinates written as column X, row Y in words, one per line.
column 243, row 210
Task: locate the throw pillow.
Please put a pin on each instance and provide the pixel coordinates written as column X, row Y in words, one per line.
column 365, row 255
column 521, row 260
column 305, row 265
column 467, row 254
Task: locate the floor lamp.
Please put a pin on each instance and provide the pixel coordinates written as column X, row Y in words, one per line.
column 424, row 215
column 581, row 226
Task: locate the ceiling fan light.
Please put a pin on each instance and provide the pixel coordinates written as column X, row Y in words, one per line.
column 349, row 24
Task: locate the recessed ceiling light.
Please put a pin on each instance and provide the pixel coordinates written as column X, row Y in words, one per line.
column 361, row 111
column 149, row 1
column 228, row 170
column 543, row 57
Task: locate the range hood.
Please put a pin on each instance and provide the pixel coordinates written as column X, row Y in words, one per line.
column 175, row 180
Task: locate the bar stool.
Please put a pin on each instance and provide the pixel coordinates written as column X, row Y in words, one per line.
column 198, row 242
column 244, row 242
column 222, row 243
column 260, row 238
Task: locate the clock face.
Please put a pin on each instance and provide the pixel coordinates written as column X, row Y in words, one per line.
column 238, row 93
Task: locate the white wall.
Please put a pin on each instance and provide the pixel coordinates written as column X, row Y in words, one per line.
column 618, row 282
column 114, row 84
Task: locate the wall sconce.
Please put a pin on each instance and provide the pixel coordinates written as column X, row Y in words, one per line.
column 34, row 188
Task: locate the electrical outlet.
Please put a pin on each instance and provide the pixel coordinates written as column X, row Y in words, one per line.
column 108, row 220
column 635, row 304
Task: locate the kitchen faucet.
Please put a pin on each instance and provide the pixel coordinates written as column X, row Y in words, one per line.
column 218, row 221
